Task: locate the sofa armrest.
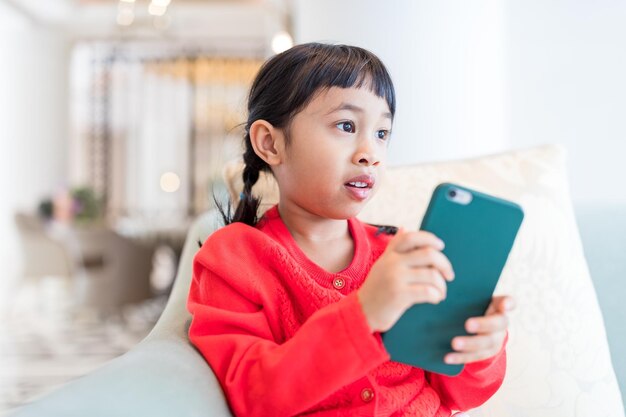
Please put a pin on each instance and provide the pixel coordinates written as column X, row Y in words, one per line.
column 157, row 378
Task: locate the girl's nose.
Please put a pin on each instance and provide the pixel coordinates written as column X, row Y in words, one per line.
column 366, row 155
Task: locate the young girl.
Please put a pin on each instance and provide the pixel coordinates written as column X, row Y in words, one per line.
column 288, row 309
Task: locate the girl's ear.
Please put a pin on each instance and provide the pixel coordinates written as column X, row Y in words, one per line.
column 267, row 141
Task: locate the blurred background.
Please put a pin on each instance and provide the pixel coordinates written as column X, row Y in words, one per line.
column 117, row 117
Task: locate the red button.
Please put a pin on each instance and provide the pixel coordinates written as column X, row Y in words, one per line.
column 367, row 395
column 339, row 283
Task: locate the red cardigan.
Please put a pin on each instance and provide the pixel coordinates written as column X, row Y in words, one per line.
column 285, row 337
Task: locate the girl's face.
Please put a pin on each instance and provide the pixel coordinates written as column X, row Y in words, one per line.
column 336, row 154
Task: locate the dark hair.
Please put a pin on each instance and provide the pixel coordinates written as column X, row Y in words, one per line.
column 285, row 84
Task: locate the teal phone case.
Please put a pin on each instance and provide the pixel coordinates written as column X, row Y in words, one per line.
column 478, row 237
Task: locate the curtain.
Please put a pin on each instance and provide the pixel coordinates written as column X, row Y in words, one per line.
column 154, row 125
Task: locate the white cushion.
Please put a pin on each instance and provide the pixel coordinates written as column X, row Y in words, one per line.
column 558, row 358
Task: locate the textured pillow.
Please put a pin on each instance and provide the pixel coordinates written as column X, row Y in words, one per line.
column 558, row 358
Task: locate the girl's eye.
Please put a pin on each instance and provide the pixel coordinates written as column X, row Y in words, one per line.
column 346, row 127
column 382, row 134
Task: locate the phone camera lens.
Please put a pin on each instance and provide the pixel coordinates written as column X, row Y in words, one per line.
column 452, row 193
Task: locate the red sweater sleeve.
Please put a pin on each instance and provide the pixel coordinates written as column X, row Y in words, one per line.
column 260, row 377
column 474, row 385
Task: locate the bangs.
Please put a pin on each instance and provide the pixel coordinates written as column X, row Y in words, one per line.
column 353, row 67
column 288, row 82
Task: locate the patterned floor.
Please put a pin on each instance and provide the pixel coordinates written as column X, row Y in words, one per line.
column 43, row 346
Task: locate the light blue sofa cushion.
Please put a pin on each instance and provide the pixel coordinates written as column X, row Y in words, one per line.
column 603, row 232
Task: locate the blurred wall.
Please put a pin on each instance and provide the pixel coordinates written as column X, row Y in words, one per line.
column 33, row 124
column 567, row 70
column 446, row 62
column 484, row 76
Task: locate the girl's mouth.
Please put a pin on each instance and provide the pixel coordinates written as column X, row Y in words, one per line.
column 360, row 187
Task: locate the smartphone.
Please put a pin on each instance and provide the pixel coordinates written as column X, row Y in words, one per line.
column 478, row 231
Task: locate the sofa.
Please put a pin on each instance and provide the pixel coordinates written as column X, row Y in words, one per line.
column 560, row 362
column 95, row 261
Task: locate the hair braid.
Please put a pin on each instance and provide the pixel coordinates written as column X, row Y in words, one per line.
column 246, row 211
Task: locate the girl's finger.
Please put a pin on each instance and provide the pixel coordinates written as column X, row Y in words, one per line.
column 429, row 276
column 501, row 304
column 421, row 293
column 407, row 241
column 478, row 343
column 487, row 324
column 430, row 257
column 458, row 357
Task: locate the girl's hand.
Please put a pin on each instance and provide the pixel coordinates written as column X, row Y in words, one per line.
column 411, row 270
column 489, row 330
